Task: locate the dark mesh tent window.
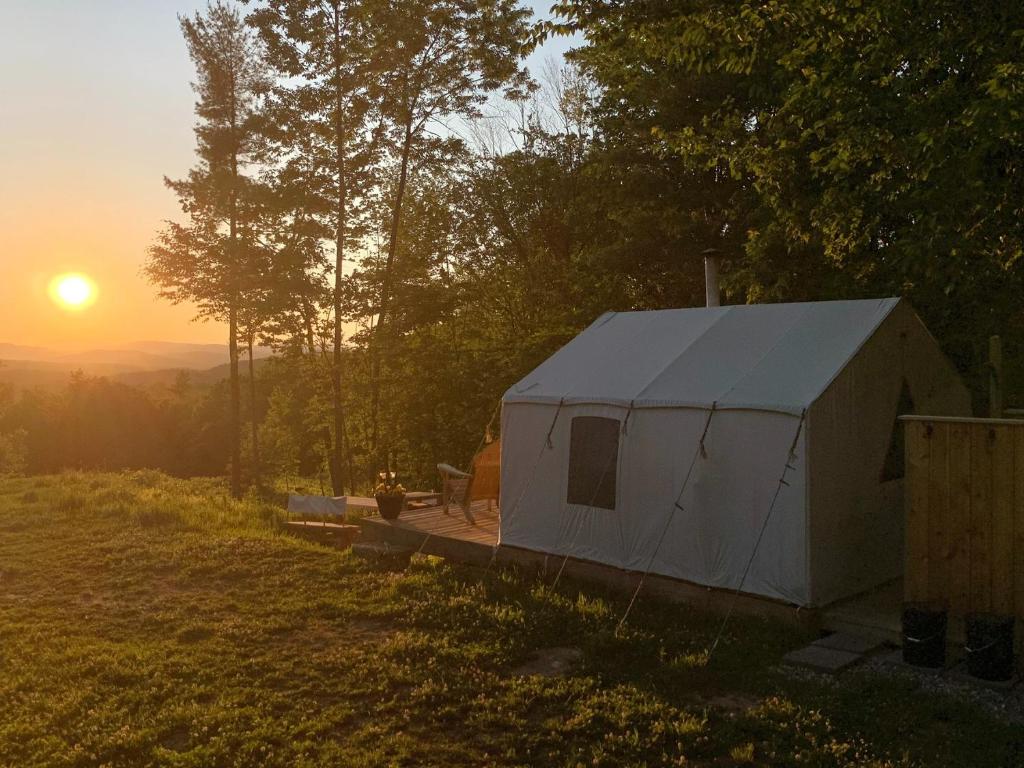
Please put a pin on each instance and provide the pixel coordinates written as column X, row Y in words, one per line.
column 593, row 461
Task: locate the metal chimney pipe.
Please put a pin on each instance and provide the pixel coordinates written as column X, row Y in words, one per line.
column 711, row 290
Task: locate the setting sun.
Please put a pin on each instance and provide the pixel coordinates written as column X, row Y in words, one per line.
column 73, row 290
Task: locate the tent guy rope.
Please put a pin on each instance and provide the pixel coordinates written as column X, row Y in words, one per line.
column 701, row 452
column 790, row 457
column 540, row 454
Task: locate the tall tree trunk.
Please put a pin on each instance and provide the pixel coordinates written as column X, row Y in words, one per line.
column 351, row 470
column 337, row 474
column 257, row 473
column 307, row 324
column 235, row 420
column 379, row 335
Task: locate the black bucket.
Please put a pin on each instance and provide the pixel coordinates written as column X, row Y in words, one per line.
column 924, row 635
column 989, row 646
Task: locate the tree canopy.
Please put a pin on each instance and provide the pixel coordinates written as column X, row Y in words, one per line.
column 418, row 220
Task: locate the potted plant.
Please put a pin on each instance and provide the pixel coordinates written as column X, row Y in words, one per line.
column 390, row 496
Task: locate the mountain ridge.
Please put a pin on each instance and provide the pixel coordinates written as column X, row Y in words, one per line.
column 131, row 356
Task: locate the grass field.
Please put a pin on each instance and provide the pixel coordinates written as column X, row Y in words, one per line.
column 147, row 621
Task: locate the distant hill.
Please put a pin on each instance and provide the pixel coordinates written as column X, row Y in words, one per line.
column 20, row 352
column 166, row 377
column 27, row 374
column 139, row 355
column 143, row 363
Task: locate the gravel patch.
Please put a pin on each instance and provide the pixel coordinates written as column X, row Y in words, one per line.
column 1007, row 705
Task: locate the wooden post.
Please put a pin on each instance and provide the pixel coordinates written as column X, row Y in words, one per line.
column 995, row 377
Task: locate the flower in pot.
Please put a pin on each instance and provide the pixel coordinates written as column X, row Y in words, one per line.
column 390, row 498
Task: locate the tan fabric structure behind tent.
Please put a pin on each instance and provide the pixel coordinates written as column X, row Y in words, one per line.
column 486, row 482
column 598, row 443
column 481, row 483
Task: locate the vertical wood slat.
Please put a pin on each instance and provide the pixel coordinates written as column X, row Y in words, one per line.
column 980, row 531
column 940, row 549
column 918, row 453
column 959, row 449
column 1002, row 521
column 1018, row 525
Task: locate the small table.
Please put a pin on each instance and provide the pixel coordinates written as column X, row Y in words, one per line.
column 430, row 498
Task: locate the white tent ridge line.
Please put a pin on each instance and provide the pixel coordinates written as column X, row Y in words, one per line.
column 721, row 316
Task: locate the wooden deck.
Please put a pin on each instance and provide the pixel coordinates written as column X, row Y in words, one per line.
column 433, row 532
column 368, row 502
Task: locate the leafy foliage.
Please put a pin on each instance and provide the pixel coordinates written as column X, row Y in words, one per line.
column 478, row 219
column 874, row 146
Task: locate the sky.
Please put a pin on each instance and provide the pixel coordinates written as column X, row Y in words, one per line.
column 95, row 109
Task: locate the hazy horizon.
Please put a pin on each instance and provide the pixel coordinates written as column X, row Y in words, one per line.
column 71, row 347
column 96, row 119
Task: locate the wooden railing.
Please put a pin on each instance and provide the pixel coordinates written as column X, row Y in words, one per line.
column 965, row 515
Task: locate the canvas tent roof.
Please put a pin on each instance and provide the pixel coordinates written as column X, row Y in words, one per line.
column 773, row 357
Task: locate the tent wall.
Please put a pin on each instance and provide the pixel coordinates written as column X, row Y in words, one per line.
column 856, row 518
column 710, row 540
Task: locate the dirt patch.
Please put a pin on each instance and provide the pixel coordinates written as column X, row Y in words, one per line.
column 195, row 634
column 177, row 740
column 731, row 702
column 329, row 634
column 550, row 662
column 101, row 602
column 368, row 629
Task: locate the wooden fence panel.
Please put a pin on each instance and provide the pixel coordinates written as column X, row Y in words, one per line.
column 965, row 514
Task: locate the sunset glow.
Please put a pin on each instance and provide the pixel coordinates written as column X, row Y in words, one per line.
column 73, row 291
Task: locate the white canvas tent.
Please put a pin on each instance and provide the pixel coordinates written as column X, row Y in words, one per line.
column 675, row 426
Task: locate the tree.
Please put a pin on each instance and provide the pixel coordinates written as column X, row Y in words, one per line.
column 875, row 146
column 445, row 57
column 209, row 259
column 13, row 442
column 324, row 50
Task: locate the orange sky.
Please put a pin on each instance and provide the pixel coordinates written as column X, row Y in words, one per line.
column 95, row 108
